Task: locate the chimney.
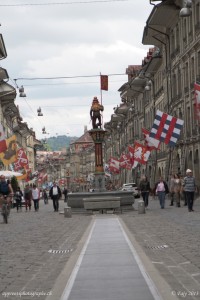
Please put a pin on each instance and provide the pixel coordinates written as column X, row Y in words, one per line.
column 85, row 128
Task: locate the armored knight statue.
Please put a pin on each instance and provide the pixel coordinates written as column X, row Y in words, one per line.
column 95, row 114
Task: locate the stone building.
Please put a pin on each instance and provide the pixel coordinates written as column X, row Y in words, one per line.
column 165, row 81
column 10, row 118
column 81, row 157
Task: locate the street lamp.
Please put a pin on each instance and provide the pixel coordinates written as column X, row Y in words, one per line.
column 21, row 92
column 186, row 10
column 39, row 111
column 148, row 86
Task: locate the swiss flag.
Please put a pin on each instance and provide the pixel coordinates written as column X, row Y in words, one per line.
column 131, row 154
column 125, row 161
column 151, row 143
column 141, row 153
column 22, row 160
column 114, row 165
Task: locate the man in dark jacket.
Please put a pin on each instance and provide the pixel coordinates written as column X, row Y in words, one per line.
column 55, row 195
column 145, row 190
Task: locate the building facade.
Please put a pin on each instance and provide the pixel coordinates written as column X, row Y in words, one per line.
column 165, row 81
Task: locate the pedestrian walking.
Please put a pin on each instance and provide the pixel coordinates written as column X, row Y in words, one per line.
column 36, row 197
column 27, row 196
column 183, row 194
column 189, row 187
column 45, row 196
column 144, row 187
column 171, row 189
column 161, row 189
column 177, row 189
column 65, row 193
column 55, row 194
column 18, row 198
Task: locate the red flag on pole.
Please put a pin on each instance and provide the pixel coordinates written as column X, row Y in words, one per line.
column 104, row 82
column 197, row 101
column 3, row 145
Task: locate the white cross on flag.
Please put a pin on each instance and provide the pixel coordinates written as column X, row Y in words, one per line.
column 197, row 100
column 141, row 153
column 114, row 165
column 22, row 160
column 150, row 142
column 125, row 161
column 166, row 128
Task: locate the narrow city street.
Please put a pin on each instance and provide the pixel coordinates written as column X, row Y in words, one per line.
column 36, row 246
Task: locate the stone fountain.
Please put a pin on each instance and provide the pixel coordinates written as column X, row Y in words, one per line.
column 100, row 199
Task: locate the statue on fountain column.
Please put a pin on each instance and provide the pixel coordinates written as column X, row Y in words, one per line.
column 95, row 114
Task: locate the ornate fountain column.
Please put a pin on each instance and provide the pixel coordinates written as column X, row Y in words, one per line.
column 98, row 135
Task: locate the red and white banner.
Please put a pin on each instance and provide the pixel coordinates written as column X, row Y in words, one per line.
column 42, row 177
column 141, row 153
column 114, row 165
column 197, row 100
column 131, row 154
column 151, row 143
column 21, row 161
column 125, row 161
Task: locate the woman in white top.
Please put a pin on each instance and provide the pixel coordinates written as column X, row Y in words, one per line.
column 35, row 197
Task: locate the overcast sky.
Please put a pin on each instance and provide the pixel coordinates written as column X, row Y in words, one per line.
column 70, row 40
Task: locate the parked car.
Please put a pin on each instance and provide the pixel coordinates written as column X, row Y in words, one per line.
column 131, row 187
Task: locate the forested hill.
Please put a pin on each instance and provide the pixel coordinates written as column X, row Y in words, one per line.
column 59, row 142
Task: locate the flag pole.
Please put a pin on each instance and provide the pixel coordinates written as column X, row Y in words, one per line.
column 101, row 96
column 100, row 89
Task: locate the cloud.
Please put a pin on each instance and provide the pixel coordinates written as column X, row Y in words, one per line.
column 71, row 41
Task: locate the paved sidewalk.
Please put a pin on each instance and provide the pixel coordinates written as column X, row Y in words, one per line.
column 34, row 248
column 170, row 238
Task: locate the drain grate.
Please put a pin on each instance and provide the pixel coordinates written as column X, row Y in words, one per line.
column 59, row 251
column 160, row 247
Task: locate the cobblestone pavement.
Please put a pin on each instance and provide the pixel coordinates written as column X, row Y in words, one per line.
column 34, row 247
column 170, row 237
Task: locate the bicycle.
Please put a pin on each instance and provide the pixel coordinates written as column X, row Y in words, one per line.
column 5, row 204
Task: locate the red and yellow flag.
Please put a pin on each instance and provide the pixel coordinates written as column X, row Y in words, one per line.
column 10, row 154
